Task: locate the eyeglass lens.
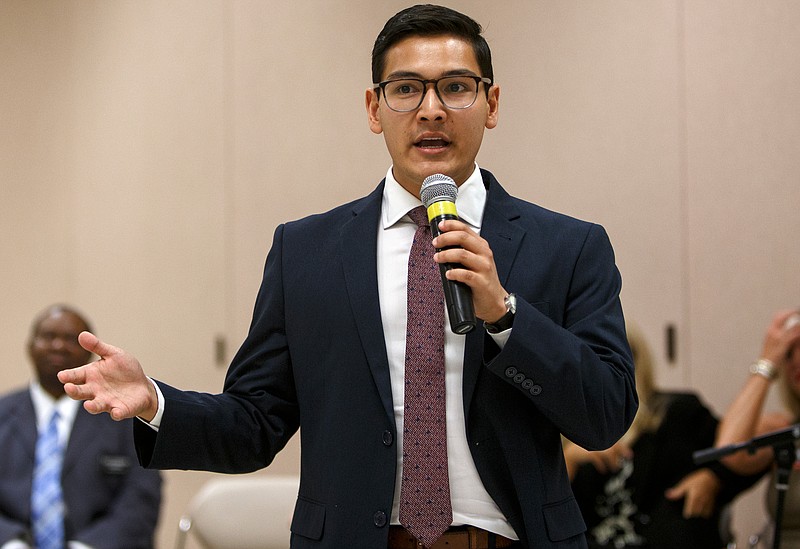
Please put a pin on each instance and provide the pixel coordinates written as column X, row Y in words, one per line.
column 456, row 92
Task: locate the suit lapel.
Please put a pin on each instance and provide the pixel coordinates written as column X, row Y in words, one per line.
column 504, row 236
column 80, row 438
column 22, row 420
column 358, row 244
column 360, row 234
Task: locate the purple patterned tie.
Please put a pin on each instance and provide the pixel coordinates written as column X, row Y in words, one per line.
column 425, row 509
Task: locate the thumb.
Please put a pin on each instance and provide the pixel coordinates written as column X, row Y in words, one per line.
column 92, row 343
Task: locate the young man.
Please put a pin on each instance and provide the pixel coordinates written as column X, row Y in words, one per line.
column 329, row 341
column 108, row 500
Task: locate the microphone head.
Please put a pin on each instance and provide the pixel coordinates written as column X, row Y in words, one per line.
column 438, row 187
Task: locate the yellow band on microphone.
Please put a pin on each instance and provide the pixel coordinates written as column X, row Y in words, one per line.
column 441, row 208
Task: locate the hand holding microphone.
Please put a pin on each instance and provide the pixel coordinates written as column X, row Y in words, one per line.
column 438, row 194
column 473, row 289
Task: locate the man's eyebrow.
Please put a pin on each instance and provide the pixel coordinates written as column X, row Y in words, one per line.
column 411, row 74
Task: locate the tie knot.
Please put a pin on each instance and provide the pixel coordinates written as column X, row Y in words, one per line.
column 419, row 215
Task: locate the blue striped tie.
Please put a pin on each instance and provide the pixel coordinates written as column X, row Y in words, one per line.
column 47, row 502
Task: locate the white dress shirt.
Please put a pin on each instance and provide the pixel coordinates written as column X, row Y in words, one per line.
column 45, row 405
column 471, row 503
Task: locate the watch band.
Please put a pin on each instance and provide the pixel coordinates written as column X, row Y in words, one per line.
column 507, row 320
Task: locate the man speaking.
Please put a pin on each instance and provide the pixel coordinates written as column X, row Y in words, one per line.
column 411, row 435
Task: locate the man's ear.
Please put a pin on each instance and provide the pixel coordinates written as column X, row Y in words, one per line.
column 373, row 111
column 494, row 103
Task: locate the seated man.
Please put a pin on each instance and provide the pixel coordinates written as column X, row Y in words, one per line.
column 104, row 499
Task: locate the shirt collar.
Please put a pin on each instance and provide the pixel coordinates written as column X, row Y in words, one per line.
column 470, row 201
column 44, row 404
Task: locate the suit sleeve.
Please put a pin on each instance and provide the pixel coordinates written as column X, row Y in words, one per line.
column 574, row 362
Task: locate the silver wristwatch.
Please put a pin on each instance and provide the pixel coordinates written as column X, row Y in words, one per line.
column 505, row 322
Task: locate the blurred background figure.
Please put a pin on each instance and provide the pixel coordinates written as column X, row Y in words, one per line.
column 69, row 478
column 645, row 491
column 747, row 418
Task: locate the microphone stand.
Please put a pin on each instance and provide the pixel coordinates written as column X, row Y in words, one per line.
column 783, row 444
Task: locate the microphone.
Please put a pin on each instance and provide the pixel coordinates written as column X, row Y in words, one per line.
column 438, row 194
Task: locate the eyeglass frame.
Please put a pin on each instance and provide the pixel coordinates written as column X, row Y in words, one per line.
column 435, row 81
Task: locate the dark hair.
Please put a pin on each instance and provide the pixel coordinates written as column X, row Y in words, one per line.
column 430, row 20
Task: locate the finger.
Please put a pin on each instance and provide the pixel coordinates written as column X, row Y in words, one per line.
column 92, row 343
column 478, row 258
column 95, row 407
column 118, row 414
column 458, row 239
column 456, row 256
column 74, row 376
column 78, row 391
column 447, row 225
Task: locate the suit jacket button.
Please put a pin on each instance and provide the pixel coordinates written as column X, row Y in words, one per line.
column 527, row 384
column 379, row 518
column 519, row 378
column 511, row 371
column 536, row 390
column 388, row 438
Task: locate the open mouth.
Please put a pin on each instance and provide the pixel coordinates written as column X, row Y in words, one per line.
column 432, row 143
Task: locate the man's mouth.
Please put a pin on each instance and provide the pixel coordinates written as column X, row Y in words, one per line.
column 56, row 359
column 432, row 143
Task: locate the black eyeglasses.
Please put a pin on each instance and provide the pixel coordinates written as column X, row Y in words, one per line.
column 455, row 92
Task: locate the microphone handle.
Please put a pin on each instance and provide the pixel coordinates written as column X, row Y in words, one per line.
column 457, row 295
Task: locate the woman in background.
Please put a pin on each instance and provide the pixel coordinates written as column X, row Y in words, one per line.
column 646, row 491
column 746, row 418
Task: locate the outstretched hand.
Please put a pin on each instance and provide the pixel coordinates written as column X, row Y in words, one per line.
column 115, row 383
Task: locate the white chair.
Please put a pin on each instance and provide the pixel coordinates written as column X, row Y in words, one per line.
column 247, row 512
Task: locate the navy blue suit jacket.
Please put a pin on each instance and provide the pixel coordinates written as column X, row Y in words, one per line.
column 315, row 358
column 112, row 502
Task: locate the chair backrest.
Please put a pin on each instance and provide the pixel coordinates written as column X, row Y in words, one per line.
column 247, row 512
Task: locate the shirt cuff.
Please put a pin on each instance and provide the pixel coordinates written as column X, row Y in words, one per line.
column 155, row 423
column 500, row 338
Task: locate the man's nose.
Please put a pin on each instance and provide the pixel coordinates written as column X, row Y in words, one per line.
column 432, row 107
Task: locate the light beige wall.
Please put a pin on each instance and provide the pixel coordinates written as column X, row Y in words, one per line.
column 149, row 149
